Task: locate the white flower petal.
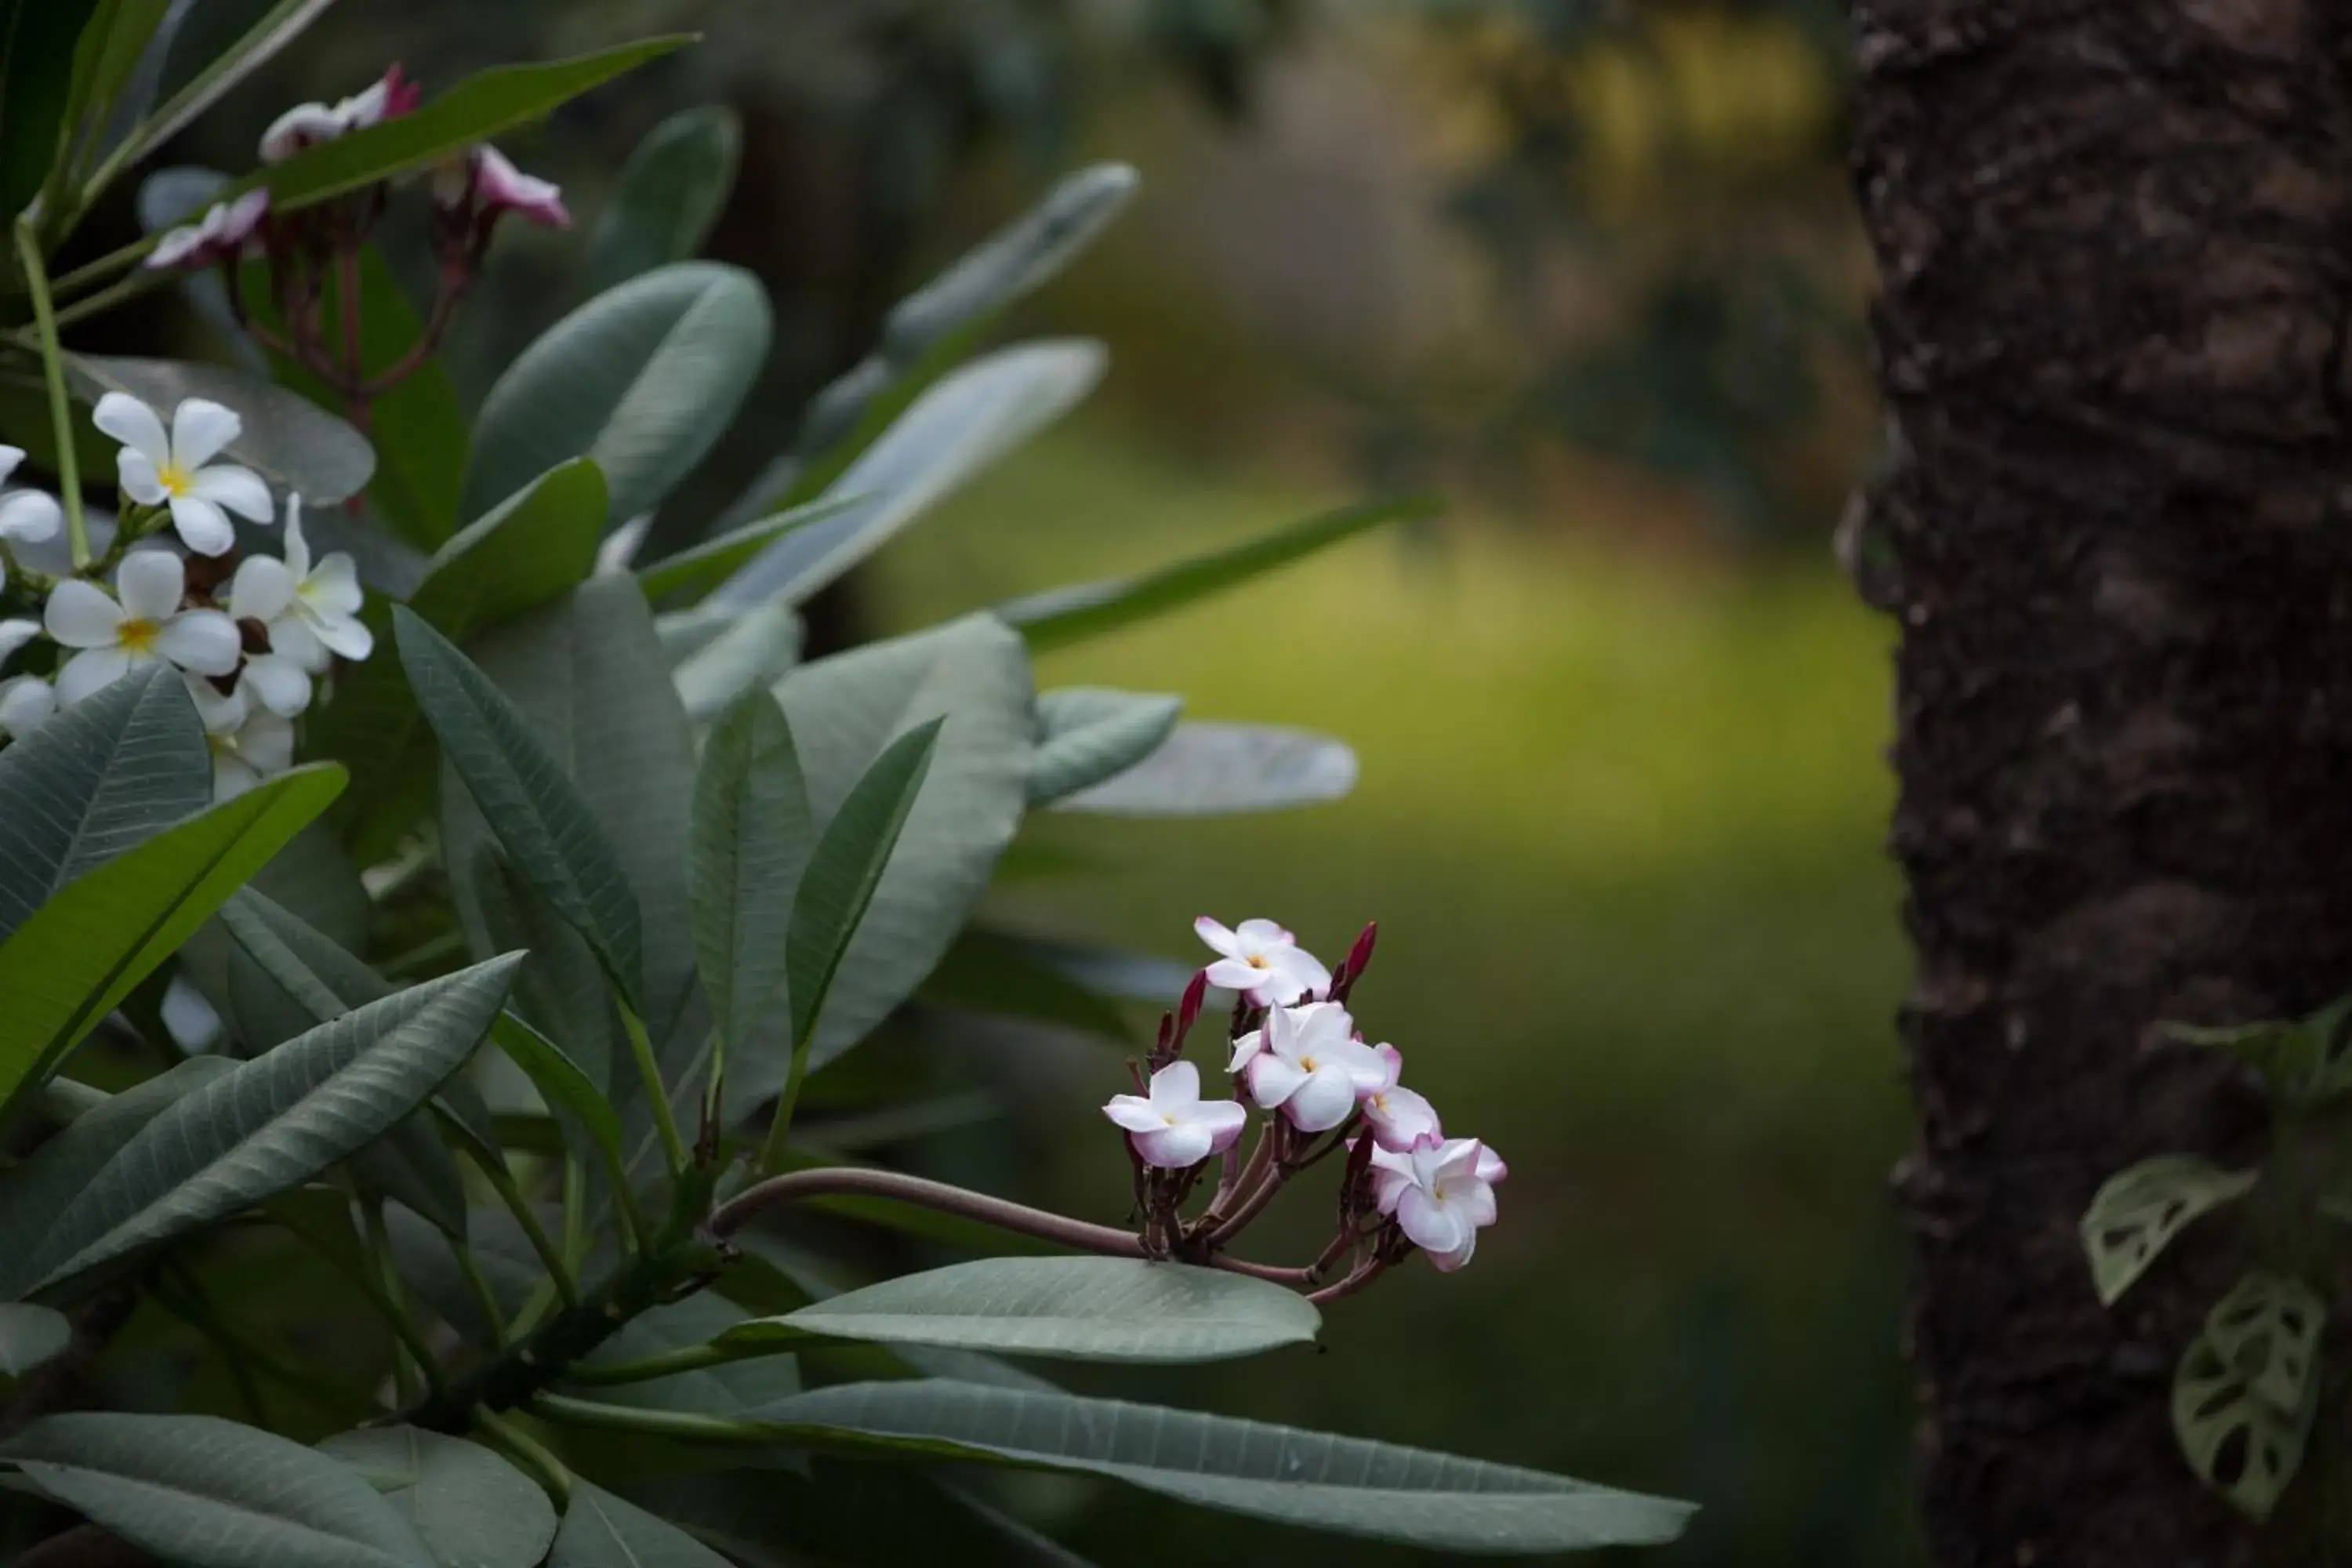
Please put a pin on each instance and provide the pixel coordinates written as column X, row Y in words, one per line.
column 30, row 516
column 1245, row 1049
column 262, row 589
column 205, row 641
column 1302, row 969
column 297, row 545
column 1447, row 1262
column 344, row 636
column 1259, row 935
column 280, row 684
column 15, row 633
column 82, row 615
column 1273, row 1081
column 90, row 672
column 188, row 1017
column 1134, row 1113
column 1323, row 1101
column 232, row 776
column 1176, row 1087
column 137, row 473
column 1225, row 1120
column 9, row 458
column 293, row 636
column 223, row 713
column 267, row 743
column 150, row 582
column 25, row 703
column 304, row 125
column 333, row 587
column 1234, row 974
column 203, row 527
column 1433, row 1226
column 132, row 422
column 241, row 490
column 1177, row 1148
column 1216, row 935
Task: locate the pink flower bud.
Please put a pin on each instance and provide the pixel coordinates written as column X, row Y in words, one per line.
column 228, row 230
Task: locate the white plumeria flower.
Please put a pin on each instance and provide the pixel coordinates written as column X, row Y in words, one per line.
column 249, row 743
column 25, row 704
column 1261, row 958
column 307, row 124
column 15, row 633
column 485, row 183
column 157, row 470
column 28, row 515
column 310, row 612
column 1307, row 1063
column 1175, row 1130
column 222, row 233
column 147, row 625
column 188, row 1018
column 1398, row 1117
column 1442, row 1194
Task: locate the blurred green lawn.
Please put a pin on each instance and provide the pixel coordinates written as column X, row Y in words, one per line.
column 1620, row 822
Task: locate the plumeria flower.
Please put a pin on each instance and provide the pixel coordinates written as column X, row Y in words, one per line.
column 1442, row 1194
column 306, row 125
column 147, row 625
column 15, row 633
column 26, row 703
column 1263, row 959
column 310, row 614
column 1307, row 1063
column 27, row 515
column 1398, row 1117
column 248, row 744
column 155, row 470
column 190, row 1021
column 225, row 232
column 1175, row 1129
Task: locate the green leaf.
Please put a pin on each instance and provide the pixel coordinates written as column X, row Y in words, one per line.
column 288, row 440
column 929, row 331
column 669, row 194
column 94, row 780
column 2247, row 1390
column 759, row 648
column 992, row 973
column 1066, row 616
column 690, row 574
column 973, row 417
column 560, row 990
column 1349, row 1485
column 208, row 1493
column 2297, row 1057
column 104, row 64
column 29, row 1335
column 53, row 1175
column 1075, row 1309
column 847, row 1513
column 532, row 548
column 644, row 379
column 417, row 424
column 75, row 960
column 844, row 710
column 2137, row 1211
column 277, row 28
column 601, row 1530
column 730, row 1388
column 845, row 867
column 470, row 1508
column 479, row 109
column 751, row 838
column 1219, row 770
column 271, row 1123
column 564, row 1086
column 37, row 42
column 1092, row 734
column 546, row 828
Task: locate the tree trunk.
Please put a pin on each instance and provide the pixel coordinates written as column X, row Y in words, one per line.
column 2116, row 246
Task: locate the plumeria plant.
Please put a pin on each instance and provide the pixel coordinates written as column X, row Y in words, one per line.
column 457, row 969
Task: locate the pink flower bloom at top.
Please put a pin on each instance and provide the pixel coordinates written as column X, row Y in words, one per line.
column 1262, row 959
column 476, row 192
column 306, row 125
column 1175, row 1129
column 1441, row 1194
column 1307, row 1063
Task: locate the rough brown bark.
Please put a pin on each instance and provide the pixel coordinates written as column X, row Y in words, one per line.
column 2116, row 246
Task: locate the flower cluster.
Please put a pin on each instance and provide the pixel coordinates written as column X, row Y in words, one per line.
column 1296, row 1053
column 304, row 248
column 250, row 651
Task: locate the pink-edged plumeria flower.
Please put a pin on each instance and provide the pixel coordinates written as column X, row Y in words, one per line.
column 1262, row 959
column 487, row 183
column 155, row 469
column 147, row 624
column 1398, row 1117
column 26, row 703
column 1442, row 1194
column 310, row 614
column 1175, row 1129
column 1307, row 1063
column 27, row 515
column 306, row 125
column 224, row 233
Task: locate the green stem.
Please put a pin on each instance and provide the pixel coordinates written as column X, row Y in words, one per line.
column 655, row 1423
column 772, row 1151
column 559, row 1270
column 526, row 1451
column 641, row 1048
column 365, row 1280
column 106, row 266
column 53, row 367
column 478, row 1287
column 105, row 299
column 319, row 1389
column 413, row 1363
column 669, row 1363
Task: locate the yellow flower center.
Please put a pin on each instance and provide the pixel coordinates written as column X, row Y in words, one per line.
column 138, row 637
column 1256, row 960
column 1307, row 1063
column 175, row 480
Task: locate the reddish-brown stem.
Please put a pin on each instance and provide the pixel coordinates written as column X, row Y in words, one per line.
column 1258, row 1186
column 1236, row 1184
column 1020, row 1218
column 347, row 285
column 428, row 340
column 1365, row 1273
column 268, row 340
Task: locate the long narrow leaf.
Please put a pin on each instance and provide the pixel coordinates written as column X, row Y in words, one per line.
column 752, row 837
column 282, row 25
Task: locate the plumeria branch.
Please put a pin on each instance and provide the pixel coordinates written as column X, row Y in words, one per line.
column 53, row 369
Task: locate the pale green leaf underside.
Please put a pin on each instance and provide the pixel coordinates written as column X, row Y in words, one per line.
column 2137, row 1211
